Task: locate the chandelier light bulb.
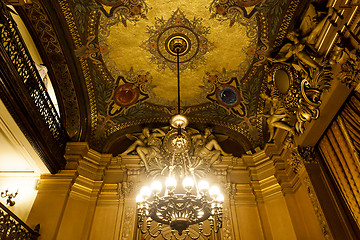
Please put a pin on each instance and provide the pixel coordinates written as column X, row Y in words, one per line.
column 156, row 187
column 179, row 121
column 214, row 191
column 139, row 198
column 170, row 184
column 203, row 186
column 220, row 198
column 188, row 183
column 145, row 192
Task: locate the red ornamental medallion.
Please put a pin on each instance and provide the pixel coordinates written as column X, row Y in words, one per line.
column 126, row 95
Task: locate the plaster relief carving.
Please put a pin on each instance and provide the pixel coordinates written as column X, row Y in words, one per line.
column 159, row 148
column 298, row 78
column 350, row 70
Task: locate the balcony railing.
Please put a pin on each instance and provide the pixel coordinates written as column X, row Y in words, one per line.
column 24, row 92
column 13, row 44
column 11, row 227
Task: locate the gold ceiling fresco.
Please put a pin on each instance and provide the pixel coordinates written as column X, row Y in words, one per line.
column 129, row 77
column 140, row 46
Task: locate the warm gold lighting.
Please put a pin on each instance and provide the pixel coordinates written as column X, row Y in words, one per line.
column 173, row 206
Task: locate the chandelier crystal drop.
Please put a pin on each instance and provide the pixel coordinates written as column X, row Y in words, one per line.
column 184, row 208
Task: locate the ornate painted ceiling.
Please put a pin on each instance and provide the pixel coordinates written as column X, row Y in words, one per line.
column 120, row 75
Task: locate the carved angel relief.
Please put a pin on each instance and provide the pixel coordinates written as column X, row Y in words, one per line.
column 298, row 77
column 161, row 148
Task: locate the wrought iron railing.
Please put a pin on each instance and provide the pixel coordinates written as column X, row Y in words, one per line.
column 11, row 227
column 14, row 46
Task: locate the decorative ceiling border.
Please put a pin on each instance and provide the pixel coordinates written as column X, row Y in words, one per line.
column 285, row 23
column 92, row 61
column 69, row 18
column 38, row 18
column 165, row 120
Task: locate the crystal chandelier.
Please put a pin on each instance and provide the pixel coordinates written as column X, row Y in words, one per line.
column 173, row 205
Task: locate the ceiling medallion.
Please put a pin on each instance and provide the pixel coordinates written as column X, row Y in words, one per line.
column 177, row 28
column 129, row 90
column 126, row 95
column 223, row 88
column 177, row 43
column 228, row 96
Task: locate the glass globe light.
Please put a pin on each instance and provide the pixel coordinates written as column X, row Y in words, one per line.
column 179, row 121
column 139, row 198
column 203, row 186
column 145, row 192
column 170, row 184
column 220, row 198
column 156, row 187
column 188, row 183
column 214, row 191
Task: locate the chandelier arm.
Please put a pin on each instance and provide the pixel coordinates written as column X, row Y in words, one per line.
column 155, row 235
column 218, row 223
column 172, row 164
column 203, row 233
column 195, row 182
column 164, row 236
column 193, row 238
column 180, row 238
column 147, row 231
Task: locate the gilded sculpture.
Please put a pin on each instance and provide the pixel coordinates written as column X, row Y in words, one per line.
column 157, row 147
column 147, row 144
column 206, row 146
column 311, row 78
column 277, row 116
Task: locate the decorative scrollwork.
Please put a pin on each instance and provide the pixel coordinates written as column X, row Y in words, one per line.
column 235, row 11
column 124, row 11
column 350, row 71
column 299, row 78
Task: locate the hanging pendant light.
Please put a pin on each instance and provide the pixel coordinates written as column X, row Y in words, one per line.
column 173, row 205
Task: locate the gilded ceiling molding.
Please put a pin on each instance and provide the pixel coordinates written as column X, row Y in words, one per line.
column 291, row 10
column 65, row 7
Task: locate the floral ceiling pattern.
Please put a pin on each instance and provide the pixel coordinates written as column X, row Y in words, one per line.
column 130, row 77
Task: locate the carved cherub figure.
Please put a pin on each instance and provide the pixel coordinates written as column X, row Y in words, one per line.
column 301, row 47
column 296, row 49
column 146, row 144
column 277, row 116
column 207, row 147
